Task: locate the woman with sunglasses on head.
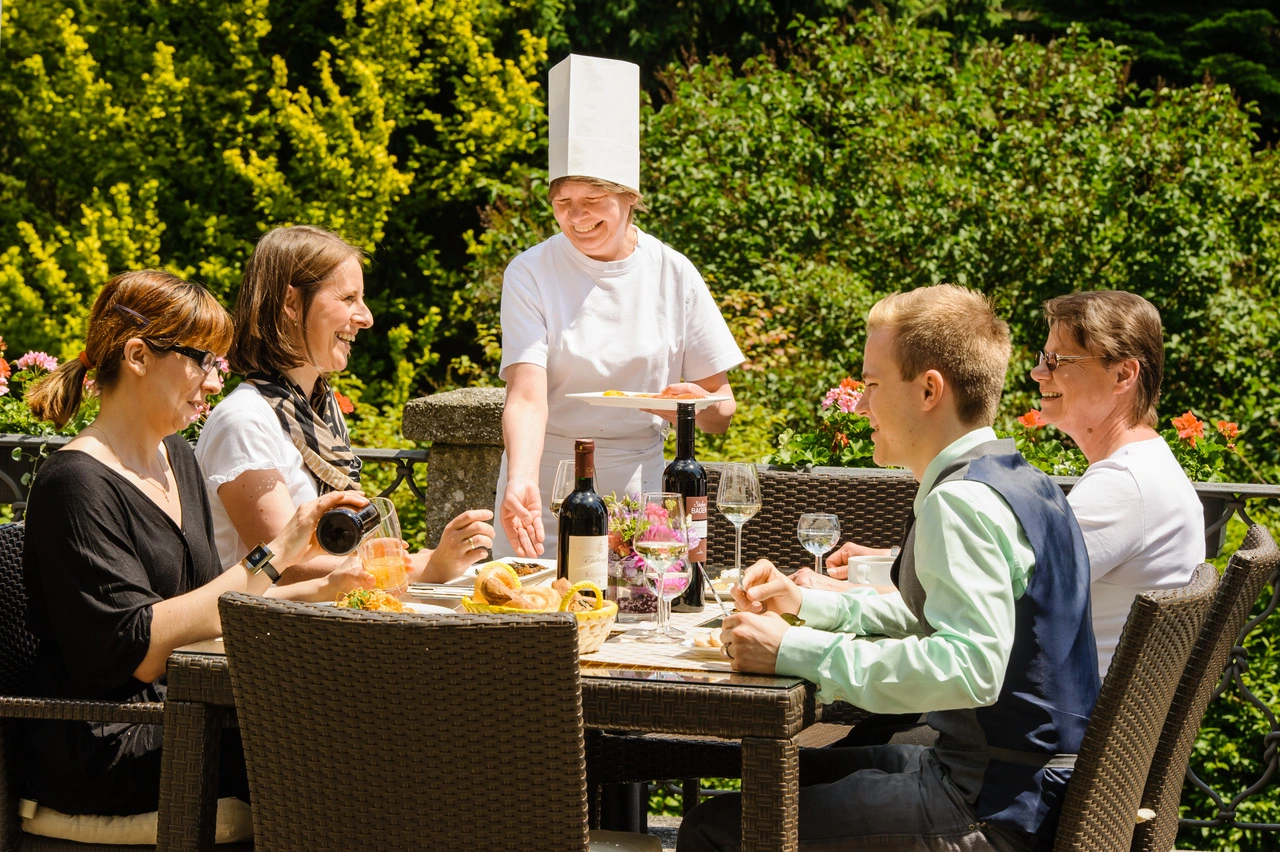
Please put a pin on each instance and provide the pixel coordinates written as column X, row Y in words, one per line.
column 119, row 561
column 1099, row 375
column 279, row 438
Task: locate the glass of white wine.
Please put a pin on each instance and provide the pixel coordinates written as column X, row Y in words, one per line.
column 818, row 533
column 563, row 485
column 663, row 545
column 738, row 499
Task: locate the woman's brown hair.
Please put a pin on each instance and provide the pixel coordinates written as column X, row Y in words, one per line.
column 1113, row 326
column 300, row 256
column 148, row 304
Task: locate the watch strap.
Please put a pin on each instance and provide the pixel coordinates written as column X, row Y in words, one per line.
column 259, row 559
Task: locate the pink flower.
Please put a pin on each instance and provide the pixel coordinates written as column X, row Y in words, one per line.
column 844, row 396
column 1189, row 428
column 655, row 513
column 223, row 366
column 37, row 359
column 1033, row 419
column 4, row 387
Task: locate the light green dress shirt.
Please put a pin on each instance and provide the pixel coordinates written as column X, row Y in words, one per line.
column 973, row 561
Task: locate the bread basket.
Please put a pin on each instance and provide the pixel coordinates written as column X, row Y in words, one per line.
column 593, row 625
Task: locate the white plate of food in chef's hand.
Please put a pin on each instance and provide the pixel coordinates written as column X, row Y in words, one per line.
column 642, row 399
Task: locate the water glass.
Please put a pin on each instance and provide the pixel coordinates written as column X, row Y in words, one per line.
column 664, row 545
column 818, row 533
column 383, row 552
column 564, row 484
column 738, row 499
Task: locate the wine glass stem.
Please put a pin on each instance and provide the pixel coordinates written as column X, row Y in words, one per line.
column 737, row 550
column 817, row 563
column 662, row 607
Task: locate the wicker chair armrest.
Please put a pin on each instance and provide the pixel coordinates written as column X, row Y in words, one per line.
column 85, row 711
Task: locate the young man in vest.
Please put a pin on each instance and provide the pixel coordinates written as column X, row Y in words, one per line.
column 989, row 632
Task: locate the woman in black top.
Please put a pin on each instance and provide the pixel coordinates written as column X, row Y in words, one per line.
column 120, row 564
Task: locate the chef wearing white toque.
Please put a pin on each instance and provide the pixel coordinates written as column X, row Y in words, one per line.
column 601, row 305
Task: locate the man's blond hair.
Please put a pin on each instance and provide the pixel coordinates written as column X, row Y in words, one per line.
column 954, row 331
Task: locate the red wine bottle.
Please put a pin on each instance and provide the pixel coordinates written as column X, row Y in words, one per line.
column 584, row 523
column 687, row 476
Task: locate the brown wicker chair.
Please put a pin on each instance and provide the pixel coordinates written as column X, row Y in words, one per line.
column 1247, row 573
column 1106, row 787
column 17, row 653
column 872, row 507
column 387, row 731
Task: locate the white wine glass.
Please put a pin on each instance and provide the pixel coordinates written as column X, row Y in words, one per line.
column 563, row 485
column 738, row 499
column 818, row 533
column 663, row 545
column 565, row 481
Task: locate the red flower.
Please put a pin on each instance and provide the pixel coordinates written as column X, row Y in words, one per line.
column 344, row 404
column 1228, row 429
column 841, row 440
column 1033, row 419
column 1189, row 428
column 5, row 372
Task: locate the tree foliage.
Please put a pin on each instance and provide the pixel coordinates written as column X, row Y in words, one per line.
column 1236, row 42
column 872, row 159
column 175, row 133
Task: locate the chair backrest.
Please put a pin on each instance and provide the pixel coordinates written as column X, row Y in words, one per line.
column 372, row 730
column 1106, row 787
column 17, row 644
column 1247, row 573
column 872, row 507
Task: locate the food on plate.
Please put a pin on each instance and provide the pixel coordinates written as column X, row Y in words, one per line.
column 711, row 640
column 524, row 569
column 674, row 395
column 614, row 393
column 370, row 600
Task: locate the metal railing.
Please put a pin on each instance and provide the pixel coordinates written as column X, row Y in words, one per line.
column 18, row 454
column 1228, row 804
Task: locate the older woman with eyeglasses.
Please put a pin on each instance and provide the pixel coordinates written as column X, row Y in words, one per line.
column 1099, row 375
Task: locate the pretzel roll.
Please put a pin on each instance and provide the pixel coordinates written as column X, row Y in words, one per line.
column 496, row 584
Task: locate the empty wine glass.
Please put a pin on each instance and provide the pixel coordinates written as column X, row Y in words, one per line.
column 738, row 499
column 663, row 545
column 818, row 533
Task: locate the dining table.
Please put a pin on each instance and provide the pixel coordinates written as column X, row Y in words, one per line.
column 675, row 690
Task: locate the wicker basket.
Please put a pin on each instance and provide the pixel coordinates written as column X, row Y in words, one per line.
column 593, row 625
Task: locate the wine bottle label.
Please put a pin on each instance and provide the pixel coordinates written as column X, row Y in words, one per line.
column 697, row 507
column 588, row 559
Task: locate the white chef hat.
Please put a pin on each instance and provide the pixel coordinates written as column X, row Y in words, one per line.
column 594, row 112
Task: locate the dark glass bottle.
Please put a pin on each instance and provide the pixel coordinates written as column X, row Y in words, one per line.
column 341, row 529
column 687, row 476
column 584, row 523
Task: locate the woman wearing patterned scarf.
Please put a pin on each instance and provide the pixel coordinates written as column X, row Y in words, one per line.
column 279, row 438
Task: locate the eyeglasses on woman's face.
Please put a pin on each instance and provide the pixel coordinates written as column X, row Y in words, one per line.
column 1051, row 360
column 207, row 360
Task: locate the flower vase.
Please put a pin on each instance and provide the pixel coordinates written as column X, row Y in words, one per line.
column 628, row 590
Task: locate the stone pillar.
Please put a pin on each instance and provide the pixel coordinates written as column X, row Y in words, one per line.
column 465, row 430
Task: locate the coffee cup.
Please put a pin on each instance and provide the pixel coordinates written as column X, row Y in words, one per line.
column 872, row 570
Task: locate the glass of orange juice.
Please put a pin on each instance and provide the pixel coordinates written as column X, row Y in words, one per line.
column 383, row 553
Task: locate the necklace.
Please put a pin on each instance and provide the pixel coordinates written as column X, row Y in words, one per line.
column 162, row 489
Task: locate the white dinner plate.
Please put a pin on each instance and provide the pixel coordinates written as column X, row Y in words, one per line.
column 643, row 401
column 548, row 572
column 697, row 651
